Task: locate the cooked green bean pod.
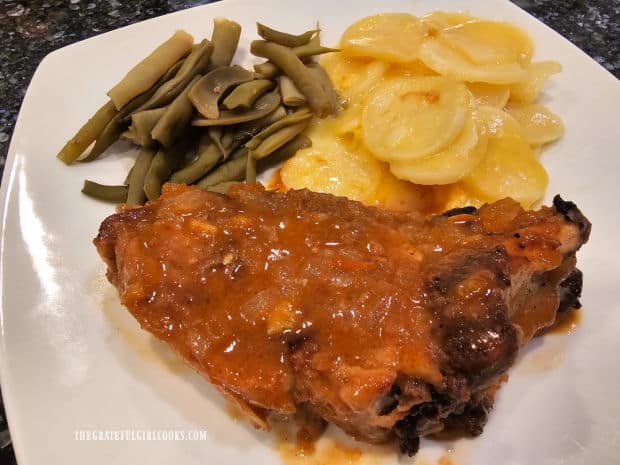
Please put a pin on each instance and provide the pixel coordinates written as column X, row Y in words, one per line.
column 196, row 63
column 163, row 165
column 87, row 134
column 108, row 136
column 233, row 170
column 251, row 128
column 207, row 157
column 291, row 96
column 223, row 187
column 266, row 70
column 302, row 114
column 176, row 118
column 282, row 38
column 262, row 107
column 116, row 194
column 137, row 103
column 293, row 67
column 206, row 93
column 284, row 153
column 244, row 95
column 225, row 39
column 128, row 177
column 137, row 176
column 143, row 122
column 278, row 139
column 250, row 170
column 146, row 73
column 224, row 140
column 326, row 84
column 312, row 48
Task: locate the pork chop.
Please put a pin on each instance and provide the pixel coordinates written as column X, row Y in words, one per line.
column 388, row 325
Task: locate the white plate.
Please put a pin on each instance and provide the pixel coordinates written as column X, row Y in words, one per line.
column 73, row 359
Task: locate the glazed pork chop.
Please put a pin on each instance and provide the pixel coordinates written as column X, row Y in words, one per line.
column 388, row 325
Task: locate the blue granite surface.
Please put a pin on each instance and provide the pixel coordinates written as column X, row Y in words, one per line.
column 29, row 30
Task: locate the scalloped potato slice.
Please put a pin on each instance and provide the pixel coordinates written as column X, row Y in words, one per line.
column 441, row 57
column 536, row 74
column 490, row 42
column 540, row 124
column 449, row 165
column 329, row 167
column 490, row 95
column 392, row 37
column 509, row 168
column 444, row 19
column 352, row 76
column 409, row 118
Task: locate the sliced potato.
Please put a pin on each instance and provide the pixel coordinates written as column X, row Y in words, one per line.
column 329, row 167
column 489, row 95
column 353, row 76
column 536, row 74
column 444, row 19
column 509, row 168
column 441, row 57
column 455, row 196
column 449, row 165
column 393, row 37
column 490, row 42
column 409, row 118
column 540, row 124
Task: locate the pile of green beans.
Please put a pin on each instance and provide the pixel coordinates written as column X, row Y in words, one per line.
column 199, row 120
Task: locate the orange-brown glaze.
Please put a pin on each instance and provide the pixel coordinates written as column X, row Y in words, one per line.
column 567, row 324
column 288, row 299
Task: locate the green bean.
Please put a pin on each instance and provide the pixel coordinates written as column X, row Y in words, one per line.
column 137, row 103
column 266, row 70
column 233, row 170
column 116, row 194
column 301, row 115
column 312, row 48
column 282, row 38
column 126, row 181
column 222, row 187
column 206, row 158
column 137, row 175
column 326, row 84
column 146, row 73
column 206, row 93
column 251, row 128
column 143, row 122
column 87, row 134
column 108, row 136
column 225, row 39
column 292, row 66
column 284, row 153
column 176, row 118
column 290, row 93
column 162, row 166
column 250, row 170
column 262, row 107
column 225, row 141
column 244, row 95
column 196, row 63
column 278, row 139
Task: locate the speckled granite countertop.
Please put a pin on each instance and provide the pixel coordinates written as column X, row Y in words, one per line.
column 31, row 29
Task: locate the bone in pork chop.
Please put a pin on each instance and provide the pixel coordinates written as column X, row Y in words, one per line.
column 388, row 325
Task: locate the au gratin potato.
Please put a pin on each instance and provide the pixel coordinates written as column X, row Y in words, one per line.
column 447, row 100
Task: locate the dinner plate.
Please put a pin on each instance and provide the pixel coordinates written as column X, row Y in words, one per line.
column 73, row 361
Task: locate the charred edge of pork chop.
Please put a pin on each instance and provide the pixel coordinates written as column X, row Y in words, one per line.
column 475, row 358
